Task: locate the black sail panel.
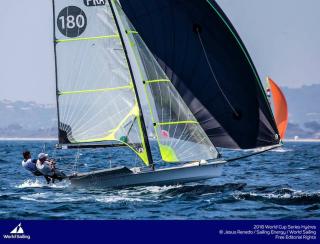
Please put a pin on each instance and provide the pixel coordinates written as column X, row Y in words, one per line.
column 200, row 51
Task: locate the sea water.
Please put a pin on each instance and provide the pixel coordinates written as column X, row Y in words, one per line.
column 280, row 184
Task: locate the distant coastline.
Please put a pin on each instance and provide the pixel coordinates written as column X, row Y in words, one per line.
column 26, row 139
column 54, row 139
column 301, row 140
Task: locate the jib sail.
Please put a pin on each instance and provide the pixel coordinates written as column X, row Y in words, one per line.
column 179, row 136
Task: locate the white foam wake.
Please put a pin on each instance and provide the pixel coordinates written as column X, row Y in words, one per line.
column 281, row 150
column 115, row 199
column 51, row 197
column 40, row 184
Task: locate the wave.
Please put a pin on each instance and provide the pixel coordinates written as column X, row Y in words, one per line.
column 58, row 197
column 8, row 197
column 40, row 184
column 135, row 194
column 146, row 190
column 283, row 196
column 204, row 189
column 117, row 199
column 282, row 150
column 314, row 207
column 51, row 197
column 278, row 150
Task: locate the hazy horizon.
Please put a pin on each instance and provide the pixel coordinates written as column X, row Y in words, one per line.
column 279, row 36
column 53, row 102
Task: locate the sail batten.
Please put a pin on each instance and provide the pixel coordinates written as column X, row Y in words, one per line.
column 176, row 123
column 96, row 90
column 87, row 38
column 156, row 81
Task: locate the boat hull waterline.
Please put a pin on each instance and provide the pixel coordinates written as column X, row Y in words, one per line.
column 124, row 177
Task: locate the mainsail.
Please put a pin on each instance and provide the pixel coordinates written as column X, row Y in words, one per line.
column 109, row 86
column 202, row 54
column 96, row 98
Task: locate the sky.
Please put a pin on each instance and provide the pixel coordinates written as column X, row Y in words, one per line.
column 282, row 37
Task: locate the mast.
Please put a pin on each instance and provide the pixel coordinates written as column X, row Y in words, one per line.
column 143, row 125
column 55, row 65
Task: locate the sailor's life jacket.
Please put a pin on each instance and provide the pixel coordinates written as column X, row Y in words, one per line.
column 30, row 165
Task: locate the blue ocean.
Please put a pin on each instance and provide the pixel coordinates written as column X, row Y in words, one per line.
column 280, row 184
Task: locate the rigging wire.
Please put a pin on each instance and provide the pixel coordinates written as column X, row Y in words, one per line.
column 75, row 165
column 44, row 147
column 263, row 150
column 214, row 75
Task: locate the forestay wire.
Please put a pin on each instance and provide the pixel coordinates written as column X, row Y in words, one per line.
column 253, row 154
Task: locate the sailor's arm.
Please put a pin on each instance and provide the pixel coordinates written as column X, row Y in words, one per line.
column 39, row 165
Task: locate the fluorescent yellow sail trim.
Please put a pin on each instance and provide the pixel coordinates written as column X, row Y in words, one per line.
column 112, row 135
column 96, row 90
column 157, row 81
column 133, row 112
column 178, row 123
column 88, row 38
column 143, row 155
column 132, row 32
column 168, row 154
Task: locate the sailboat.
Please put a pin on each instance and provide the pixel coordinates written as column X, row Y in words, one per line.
column 280, row 106
column 113, row 91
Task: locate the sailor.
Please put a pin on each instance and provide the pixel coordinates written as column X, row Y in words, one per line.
column 48, row 168
column 30, row 165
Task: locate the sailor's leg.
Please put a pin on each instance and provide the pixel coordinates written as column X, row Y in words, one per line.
column 47, row 179
column 59, row 175
column 37, row 173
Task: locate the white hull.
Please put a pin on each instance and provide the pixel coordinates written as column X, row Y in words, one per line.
column 120, row 177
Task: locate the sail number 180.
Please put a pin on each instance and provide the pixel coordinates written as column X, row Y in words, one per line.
column 72, row 21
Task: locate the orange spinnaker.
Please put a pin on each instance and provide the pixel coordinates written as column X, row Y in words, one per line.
column 280, row 108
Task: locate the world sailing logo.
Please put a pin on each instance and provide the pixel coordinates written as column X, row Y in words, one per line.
column 17, row 230
column 17, row 233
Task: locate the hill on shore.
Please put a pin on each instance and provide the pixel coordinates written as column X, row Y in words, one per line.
column 30, row 119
